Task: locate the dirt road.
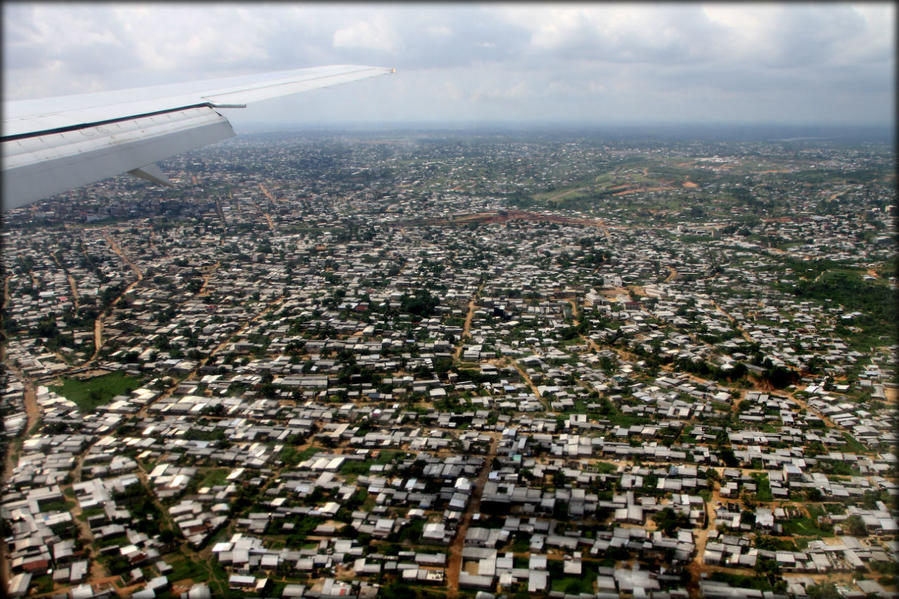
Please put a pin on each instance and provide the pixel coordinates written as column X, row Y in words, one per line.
column 700, row 537
column 117, row 250
column 530, row 383
column 454, row 567
column 98, row 323
column 212, row 353
column 6, row 291
column 204, row 290
column 33, row 412
column 466, row 329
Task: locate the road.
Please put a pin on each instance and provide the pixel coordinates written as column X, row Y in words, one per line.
column 6, row 291
column 268, row 218
column 97, row 572
column 117, row 250
column 454, row 567
column 700, row 537
column 466, row 329
column 98, row 323
column 204, row 290
column 269, row 307
column 70, row 279
column 529, row 383
column 33, row 412
column 733, row 321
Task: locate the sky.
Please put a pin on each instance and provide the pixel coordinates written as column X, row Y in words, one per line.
column 630, row 63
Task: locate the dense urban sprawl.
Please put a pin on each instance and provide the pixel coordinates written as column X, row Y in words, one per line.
column 460, row 365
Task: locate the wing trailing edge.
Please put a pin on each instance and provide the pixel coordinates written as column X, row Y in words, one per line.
column 54, row 144
column 38, row 167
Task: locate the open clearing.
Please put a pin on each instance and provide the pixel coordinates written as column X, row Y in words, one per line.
column 96, row 391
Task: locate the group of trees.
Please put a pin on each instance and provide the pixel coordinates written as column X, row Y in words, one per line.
column 669, row 521
column 421, row 303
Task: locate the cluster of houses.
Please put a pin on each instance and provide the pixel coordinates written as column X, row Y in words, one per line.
column 376, row 383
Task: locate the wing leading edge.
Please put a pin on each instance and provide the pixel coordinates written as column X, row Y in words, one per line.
column 55, row 144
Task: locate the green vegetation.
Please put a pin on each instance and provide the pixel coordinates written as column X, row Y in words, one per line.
column 43, row 584
column 763, row 487
column 303, row 526
column 290, row 456
column 146, row 516
column 57, row 505
column 308, row 453
column 575, row 584
column 774, row 544
column 855, row 526
column 187, row 569
column 605, row 467
column 363, row 466
column 808, row 525
column 214, row 477
column 97, row 391
column 853, row 445
column 356, row 467
column 737, row 580
column 421, row 303
column 888, row 269
column 822, row 280
column 824, row 590
column 670, row 521
column 891, row 568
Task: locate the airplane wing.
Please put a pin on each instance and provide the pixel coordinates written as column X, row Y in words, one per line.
column 51, row 145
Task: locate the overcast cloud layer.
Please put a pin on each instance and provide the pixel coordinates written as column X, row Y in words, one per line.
column 603, row 63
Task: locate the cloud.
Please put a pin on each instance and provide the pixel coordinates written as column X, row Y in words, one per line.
column 483, row 60
column 801, row 35
column 438, row 31
column 516, row 91
column 613, row 33
column 374, row 35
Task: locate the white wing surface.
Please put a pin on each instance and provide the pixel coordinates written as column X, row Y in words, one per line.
column 51, row 145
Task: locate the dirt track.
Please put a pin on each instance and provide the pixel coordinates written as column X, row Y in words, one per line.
column 697, row 567
column 33, row 412
column 454, row 567
column 466, row 329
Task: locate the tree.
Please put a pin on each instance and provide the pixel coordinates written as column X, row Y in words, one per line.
column 559, row 479
column 825, row 590
column 855, row 526
column 166, row 537
column 421, row 304
column 669, row 521
column 47, row 327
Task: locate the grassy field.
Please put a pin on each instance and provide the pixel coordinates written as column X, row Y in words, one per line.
column 806, row 525
column 763, row 487
column 96, row 391
column 362, row 467
column 214, row 477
